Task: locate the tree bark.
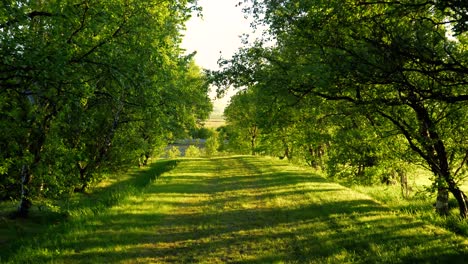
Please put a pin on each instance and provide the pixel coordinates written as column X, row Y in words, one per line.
column 403, row 182
column 83, row 179
column 442, row 201
column 25, row 201
column 287, row 153
column 253, row 138
column 458, row 194
column 437, row 158
column 252, row 144
column 461, row 200
column 38, row 136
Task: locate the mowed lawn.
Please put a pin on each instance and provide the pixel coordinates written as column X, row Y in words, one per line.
column 246, row 210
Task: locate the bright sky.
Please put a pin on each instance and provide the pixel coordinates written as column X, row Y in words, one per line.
column 217, row 31
column 215, row 34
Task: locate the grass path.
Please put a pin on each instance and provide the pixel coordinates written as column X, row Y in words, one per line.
column 248, row 210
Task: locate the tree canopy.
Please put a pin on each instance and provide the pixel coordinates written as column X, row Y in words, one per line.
column 392, row 69
column 88, row 87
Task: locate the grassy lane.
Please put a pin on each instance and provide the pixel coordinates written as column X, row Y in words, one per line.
column 248, row 210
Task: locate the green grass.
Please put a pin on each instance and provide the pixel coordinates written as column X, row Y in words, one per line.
column 51, row 220
column 420, row 202
column 236, row 210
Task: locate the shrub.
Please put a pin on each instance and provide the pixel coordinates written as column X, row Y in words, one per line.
column 202, row 133
column 192, row 151
column 212, row 145
column 173, row 152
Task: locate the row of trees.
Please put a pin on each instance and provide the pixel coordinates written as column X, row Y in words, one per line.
column 369, row 84
column 89, row 87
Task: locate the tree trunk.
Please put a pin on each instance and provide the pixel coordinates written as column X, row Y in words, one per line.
column 252, row 145
column 403, row 183
column 37, row 135
column 286, row 153
column 457, row 193
column 442, row 201
column 320, row 152
column 253, row 138
column 25, row 201
column 83, row 179
column 83, row 188
column 314, row 156
column 436, row 151
column 143, row 160
column 462, row 201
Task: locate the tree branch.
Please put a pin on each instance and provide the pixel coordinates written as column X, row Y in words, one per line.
column 100, row 44
column 406, row 133
column 465, row 160
column 82, row 23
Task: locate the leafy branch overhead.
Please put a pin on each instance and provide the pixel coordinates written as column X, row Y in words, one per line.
column 396, row 68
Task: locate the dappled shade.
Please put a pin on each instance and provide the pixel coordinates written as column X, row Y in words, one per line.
column 250, row 210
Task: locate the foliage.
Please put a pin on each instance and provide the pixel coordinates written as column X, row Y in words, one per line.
column 192, row 152
column 201, row 133
column 212, row 145
column 242, row 113
column 235, row 140
column 394, row 65
column 89, row 88
column 173, row 152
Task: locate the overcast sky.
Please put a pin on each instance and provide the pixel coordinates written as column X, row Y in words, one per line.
column 215, row 34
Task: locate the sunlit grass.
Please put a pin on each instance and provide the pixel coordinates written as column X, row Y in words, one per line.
column 242, row 210
column 215, row 123
column 419, row 203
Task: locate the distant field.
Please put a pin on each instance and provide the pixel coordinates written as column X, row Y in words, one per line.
column 215, row 123
column 238, row 209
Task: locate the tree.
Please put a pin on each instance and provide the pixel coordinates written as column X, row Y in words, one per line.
column 212, row 144
column 241, row 114
column 395, row 61
column 79, row 79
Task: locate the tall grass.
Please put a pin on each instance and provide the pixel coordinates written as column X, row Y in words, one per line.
column 419, row 204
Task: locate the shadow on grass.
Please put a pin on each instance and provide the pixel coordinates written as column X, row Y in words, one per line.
column 241, row 210
column 111, row 195
column 244, row 236
column 40, row 222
